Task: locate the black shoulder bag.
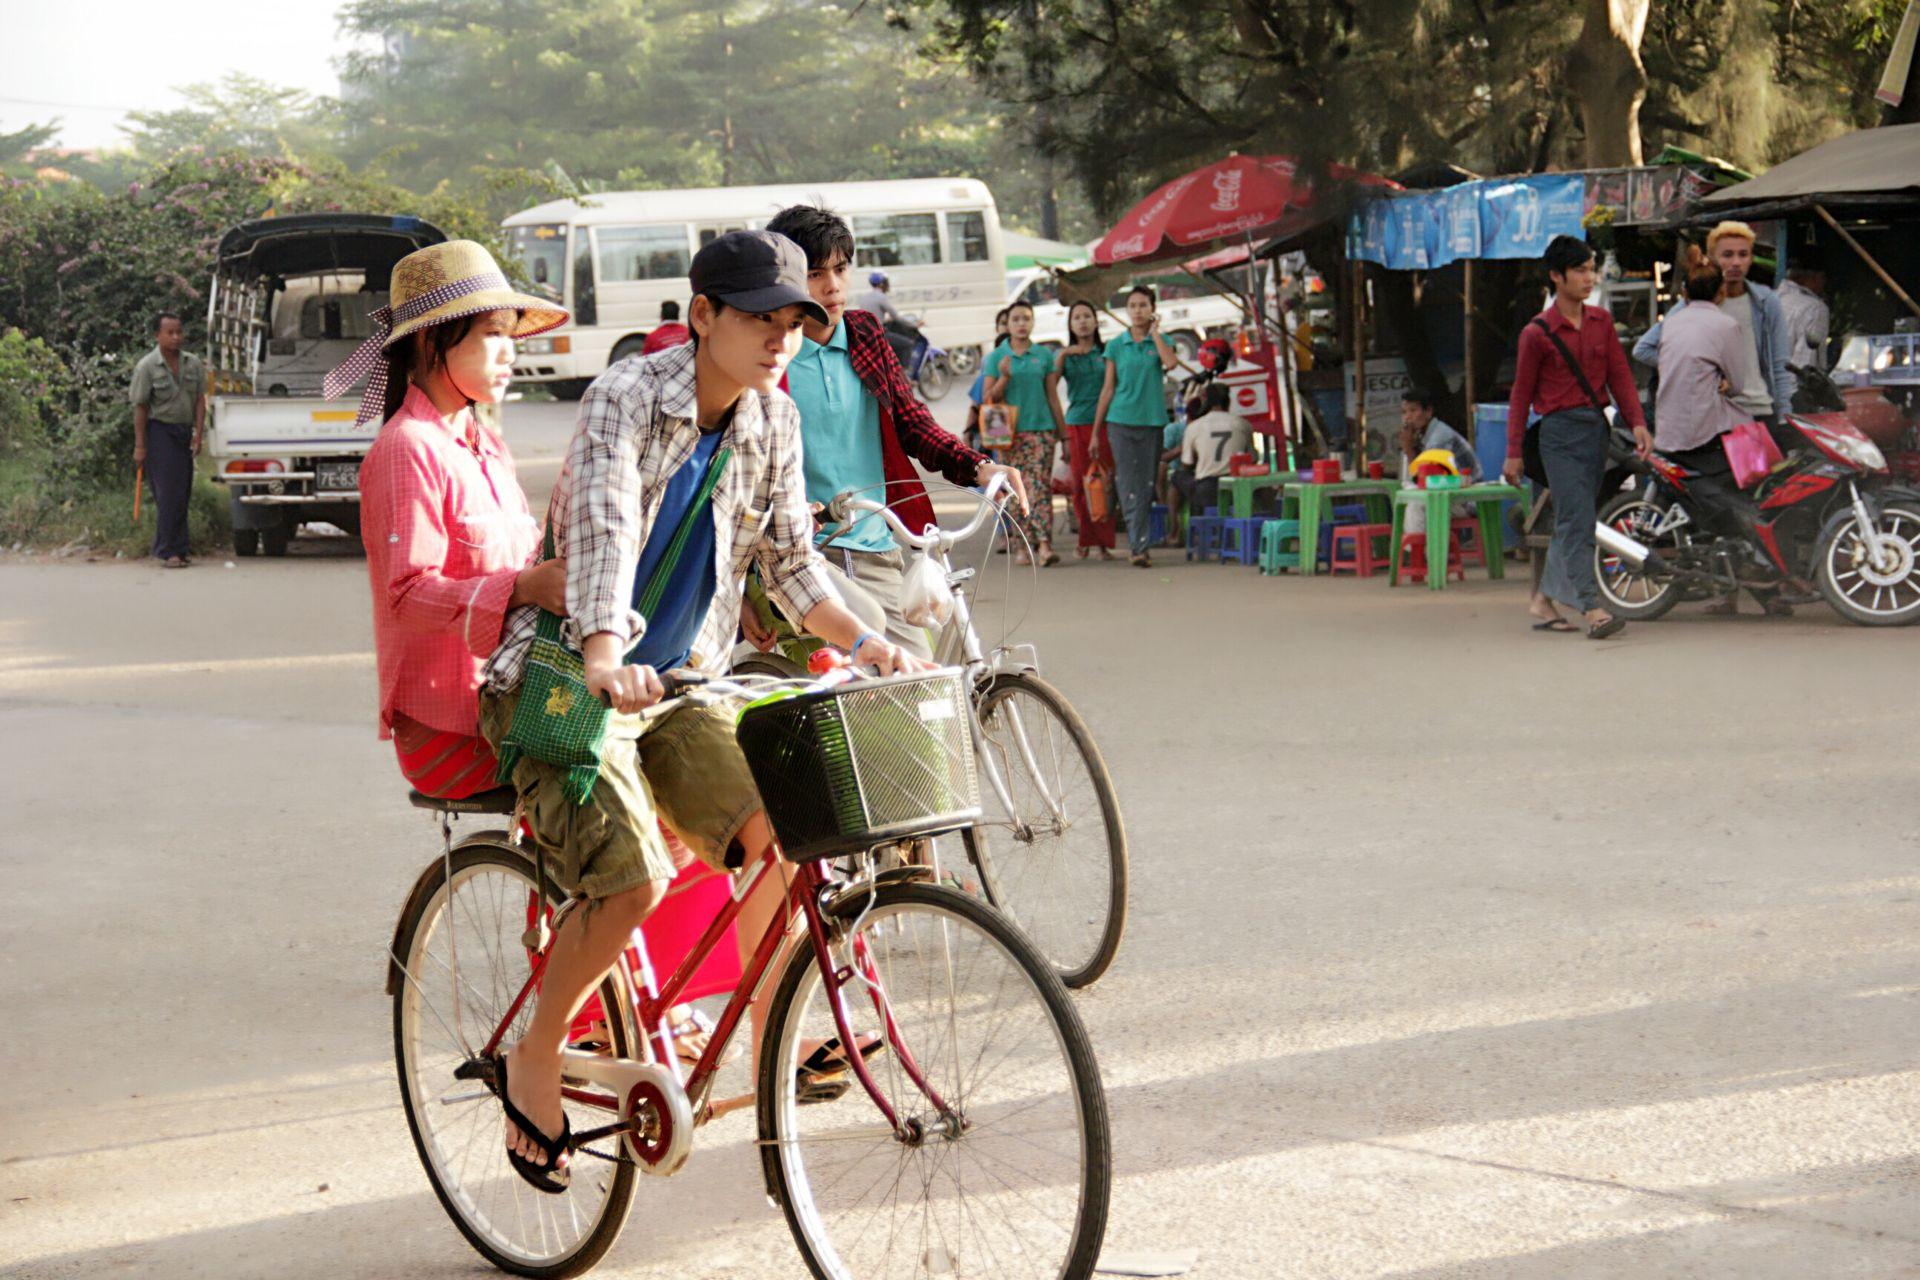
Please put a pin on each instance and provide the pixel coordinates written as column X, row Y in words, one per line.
column 1530, row 443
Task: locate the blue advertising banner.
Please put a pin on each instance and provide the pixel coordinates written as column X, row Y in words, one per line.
column 1505, row 218
column 1520, row 215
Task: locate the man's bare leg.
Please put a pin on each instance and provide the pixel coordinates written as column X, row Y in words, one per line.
column 590, row 940
column 758, row 913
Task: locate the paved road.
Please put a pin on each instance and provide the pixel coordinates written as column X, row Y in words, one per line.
column 1456, row 951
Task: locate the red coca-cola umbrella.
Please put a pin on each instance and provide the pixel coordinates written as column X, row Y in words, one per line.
column 1234, row 197
column 1240, row 198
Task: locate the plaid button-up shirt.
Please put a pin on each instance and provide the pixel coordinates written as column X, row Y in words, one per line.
column 636, row 428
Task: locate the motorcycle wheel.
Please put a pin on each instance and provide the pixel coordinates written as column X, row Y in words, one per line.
column 1626, row 594
column 935, row 380
column 964, row 361
column 1859, row 591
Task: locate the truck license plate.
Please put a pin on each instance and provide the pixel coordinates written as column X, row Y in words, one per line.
column 337, row 477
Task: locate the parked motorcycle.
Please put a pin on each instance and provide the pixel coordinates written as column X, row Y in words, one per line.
column 1829, row 517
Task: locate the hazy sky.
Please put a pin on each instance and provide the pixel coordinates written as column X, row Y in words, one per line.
column 90, row 61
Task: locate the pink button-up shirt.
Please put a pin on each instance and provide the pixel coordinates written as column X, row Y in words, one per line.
column 447, row 530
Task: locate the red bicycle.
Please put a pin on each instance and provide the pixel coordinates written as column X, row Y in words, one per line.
column 975, row 1140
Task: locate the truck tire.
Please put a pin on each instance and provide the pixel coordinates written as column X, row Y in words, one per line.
column 624, row 348
column 1185, row 345
column 246, row 542
column 274, row 541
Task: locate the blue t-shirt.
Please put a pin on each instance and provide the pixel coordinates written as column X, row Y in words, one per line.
column 683, row 606
column 839, row 434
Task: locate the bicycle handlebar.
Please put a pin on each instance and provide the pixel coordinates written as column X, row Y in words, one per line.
column 845, row 504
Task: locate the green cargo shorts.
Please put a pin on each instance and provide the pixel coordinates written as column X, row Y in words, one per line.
column 684, row 769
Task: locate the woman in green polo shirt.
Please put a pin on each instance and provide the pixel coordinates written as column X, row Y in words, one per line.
column 1133, row 412
column 1021, row 374
column 1083, row 368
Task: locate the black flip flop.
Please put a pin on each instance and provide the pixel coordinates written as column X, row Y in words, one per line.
column 1554, row 625
column 823, row 1077
column 1611, row 627
column 548, row 1177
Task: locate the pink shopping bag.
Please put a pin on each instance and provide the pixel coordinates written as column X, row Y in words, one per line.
column 1751, row 450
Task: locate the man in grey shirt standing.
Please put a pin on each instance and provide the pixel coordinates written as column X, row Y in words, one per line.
column 1763, row 386
column 169, row 394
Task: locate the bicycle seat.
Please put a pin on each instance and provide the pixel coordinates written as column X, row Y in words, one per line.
column 499, row 800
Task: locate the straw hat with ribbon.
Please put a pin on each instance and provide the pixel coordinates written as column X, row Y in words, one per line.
column 441, row 282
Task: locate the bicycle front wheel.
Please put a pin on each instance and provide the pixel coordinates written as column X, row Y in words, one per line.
column 1001, row 1165
column 1058, row 862
column 462, row 946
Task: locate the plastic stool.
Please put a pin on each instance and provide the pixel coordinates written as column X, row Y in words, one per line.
column 1360, row 558
column 1240, row 538
column 1157, row 524
column 1466, row 536
column 1204, row 536
column 1279, row 546
column 1413, row 559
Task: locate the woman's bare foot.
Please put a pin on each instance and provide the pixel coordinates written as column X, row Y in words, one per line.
column 533, row 1087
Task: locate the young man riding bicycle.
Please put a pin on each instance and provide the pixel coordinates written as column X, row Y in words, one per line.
column 684, row 469
column 863, row 426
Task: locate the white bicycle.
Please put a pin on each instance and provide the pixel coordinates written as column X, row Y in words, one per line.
column 1051, row 851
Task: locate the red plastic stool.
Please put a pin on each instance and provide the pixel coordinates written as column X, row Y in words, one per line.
column 1466, row 536
column 1353, row 549
column 1413, row 559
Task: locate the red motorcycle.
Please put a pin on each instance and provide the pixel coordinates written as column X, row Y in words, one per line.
column 1829, row 517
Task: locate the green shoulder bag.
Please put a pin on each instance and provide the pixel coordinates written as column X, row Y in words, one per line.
column 557, row 721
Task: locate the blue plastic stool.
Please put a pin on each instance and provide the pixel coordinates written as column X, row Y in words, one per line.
column 1204, row 536
column 1240, row 538
column 1157, row 524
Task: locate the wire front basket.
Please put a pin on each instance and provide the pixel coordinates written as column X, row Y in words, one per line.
column 863, row 764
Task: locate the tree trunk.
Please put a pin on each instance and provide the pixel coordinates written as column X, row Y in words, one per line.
column 1606, row 75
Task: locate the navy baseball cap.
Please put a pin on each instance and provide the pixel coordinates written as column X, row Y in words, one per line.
column 758, row 271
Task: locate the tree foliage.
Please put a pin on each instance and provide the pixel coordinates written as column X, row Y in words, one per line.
column 1132, row 94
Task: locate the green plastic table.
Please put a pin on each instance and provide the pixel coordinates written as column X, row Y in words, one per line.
column 1242, row 488
column 1486, row 499
column 1314, row 499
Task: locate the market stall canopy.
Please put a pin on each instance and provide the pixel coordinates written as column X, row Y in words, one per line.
column 1096, row 284
column 1025, row 251
column 1865, row 172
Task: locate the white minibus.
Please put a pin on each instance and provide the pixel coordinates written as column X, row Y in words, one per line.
column 614, row 257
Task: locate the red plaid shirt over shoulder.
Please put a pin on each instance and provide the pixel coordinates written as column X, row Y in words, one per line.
column 907, row 427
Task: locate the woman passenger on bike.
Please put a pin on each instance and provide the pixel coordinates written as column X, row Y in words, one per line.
column 450, row 541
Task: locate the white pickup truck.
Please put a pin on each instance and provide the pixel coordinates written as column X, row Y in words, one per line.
column 291, row 298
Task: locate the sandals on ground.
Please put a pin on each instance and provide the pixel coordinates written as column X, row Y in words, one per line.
column 549, row 1177
column 1609, row 626
column 1553, row 624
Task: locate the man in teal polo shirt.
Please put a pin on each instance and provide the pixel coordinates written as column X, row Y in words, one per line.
column 863, row 429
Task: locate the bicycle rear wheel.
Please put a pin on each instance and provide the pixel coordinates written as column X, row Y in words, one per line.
column 465, row 961
column 1058, row 863
column 1012, row 1179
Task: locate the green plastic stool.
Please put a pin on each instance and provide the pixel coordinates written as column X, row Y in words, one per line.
column 1279, row 546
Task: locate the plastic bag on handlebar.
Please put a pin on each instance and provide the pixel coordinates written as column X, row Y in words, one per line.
column 926, row 598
